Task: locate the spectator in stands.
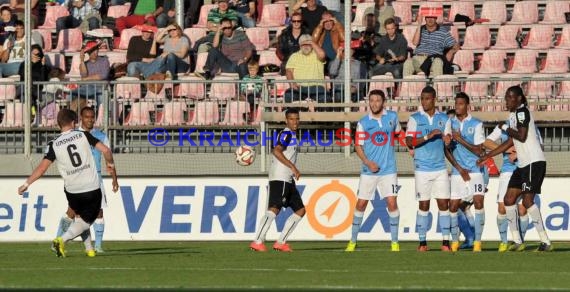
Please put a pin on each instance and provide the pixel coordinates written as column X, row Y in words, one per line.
column 335, row 8
column 391, row 51
column 230, row 53
column 312, row 14
column 215, row 17
column 192, row 14
column 96, row 68
column 39, row 71
column 147, row 12
column 288, row 41
column 328, row 35
column 431, row 41
column 357, row 71
column 306, row 64
column 18, row 6
column 252, row 84
column 175, row 53
column 381, row 12
column 82, row 13
column 245, row 10
column 139, row 55
column 13, row 52
column 7, row 19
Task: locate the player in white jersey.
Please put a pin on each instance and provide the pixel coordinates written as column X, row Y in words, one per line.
column 527, row 178
column 467, row 180
column 282, row 190
column 379, row 171
column 88, row 124
column 72, row 152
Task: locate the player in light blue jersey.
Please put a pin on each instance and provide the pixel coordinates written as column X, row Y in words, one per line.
column 467, row 180
column 378, row 130
column 509, row 165
column 87, row 124
column 431, row 178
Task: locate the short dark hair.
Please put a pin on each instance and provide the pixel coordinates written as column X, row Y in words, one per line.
column 5, row 8
column 451, row 112
column 19, row 23
column 462, row 95
column 377, row 92
column 518, row 91
column 390, row 21
column 86, row 109
column 429, row 89
column 225, row 19
column 291, row 111
column 65, row 117
column 56, row 73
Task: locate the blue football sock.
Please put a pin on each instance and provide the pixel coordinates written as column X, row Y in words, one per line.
column 394, row 224
column 465, row 227
column 479, row 223
column 99, row 228
column 503, row 226
column 445, row 224
column 421, row 224
column 64, row 223
column 454, row 227
column 523, row 225
column 356, row 222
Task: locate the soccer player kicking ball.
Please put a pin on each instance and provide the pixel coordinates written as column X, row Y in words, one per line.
column 432, row 180
column 376, row 150
column 72, row 150
column 527, row 178
column 282, row 189
column 87, row 124
column 463, row 150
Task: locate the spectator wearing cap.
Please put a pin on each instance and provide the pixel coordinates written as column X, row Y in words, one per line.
column 245, row 10
column 306, row 64
column 157, row 13
column 139, row 55
column 175, row 53
column 83, row 13
column 231, row 51
column 357, row 71
column 391, row 51
column 381, row 12
column 312, row 13
column 431, row 40
column 328, row 35
column 288, row 41
column 95, row 68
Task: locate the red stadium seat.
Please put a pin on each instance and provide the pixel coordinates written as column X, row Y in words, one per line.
column 205, row 113
column 236, row 113
column 507, row 37
column 382, row 82
column 554, row 12
column 493, row 61
column 402, row 10
column 477, row 88
column 52, row 14
column 556, row 61
column 204, row 10
column 14, row 116
column 195, row 33
column 477, row 37
column 173, row 114
column 192, row 88
column 46, row 37
column 540, row 88
column 495, row 11
column 140, row 114
column 505, row 81
column 539, row 37
column 69, row 40
column 55, row 60
column 462, row 7
column 126, row 36
column 564, row 38
column 411, row 86
column 525, row 62
column 223, row 90
column 259, row 37
column 359, row 17
column 525, row 12
column 268, row 57
column 117, row 11
column 446, row 86
column 465, row 59
column 273, row 15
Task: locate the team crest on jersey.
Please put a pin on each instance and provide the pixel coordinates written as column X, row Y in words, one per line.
column 470, row 130
column 521, row 117
column 440, row 123
column 391, row 124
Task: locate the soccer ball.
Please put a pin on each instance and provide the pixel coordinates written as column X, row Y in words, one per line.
column 245, row 155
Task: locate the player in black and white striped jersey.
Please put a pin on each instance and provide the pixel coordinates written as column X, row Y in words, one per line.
column 282, row 189
column 71, row 151
column 527, row 178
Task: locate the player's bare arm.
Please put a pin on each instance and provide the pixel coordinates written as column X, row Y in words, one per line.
column 370, row 164
column 519, row 134
column 108, row 155
column 500, row 149
column 36, row 174
column 278, row 153
column 416, row 142
column 475, row 149
column 464, row 173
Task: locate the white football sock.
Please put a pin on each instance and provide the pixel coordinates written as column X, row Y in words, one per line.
column 75, row 229
column 290, row 225
column 264, row 226
column 86, row 237
column 534, row 213
column 512, row 218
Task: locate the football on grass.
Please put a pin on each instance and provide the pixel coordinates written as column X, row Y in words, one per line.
column 245, row 155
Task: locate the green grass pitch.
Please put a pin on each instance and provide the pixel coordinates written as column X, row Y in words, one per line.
column 312, row 265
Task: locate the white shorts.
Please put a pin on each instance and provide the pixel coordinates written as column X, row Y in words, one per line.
column 387, row 186
column 103, row 196
column 504, row 179
column 462, row 190
column 432, row 185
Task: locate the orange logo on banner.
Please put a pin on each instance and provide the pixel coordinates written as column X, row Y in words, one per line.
column 321, row 227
